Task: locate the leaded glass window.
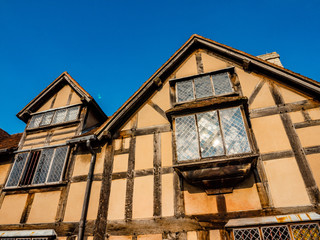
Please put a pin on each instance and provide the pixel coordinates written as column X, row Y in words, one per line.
column 38, row 167
column 204, row 86
column 54, row 117
column 209, row 134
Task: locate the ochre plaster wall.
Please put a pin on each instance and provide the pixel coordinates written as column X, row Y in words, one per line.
column 144, row 119
column 94, row 200
column 314, row 113
column 120, row 163
column 48, row 201
column 62, row 97
column 166, row 149
column 75, row 202
column 143, row 197
column 188, row 68
column 99, row 165
column 198, row 202
column 296, row 117
column 150, row 237
column 12, row 208
column 162, row 97
column 211, row 62
column 314, row 163
column 290, row 95
column 263, row 99
column 144, row 152
column 270, row 134
column 248, row 81
column 285, row 182
column 116, row 210
column 120, row 237
column 309, row 136
column 82, row 164
column 214, row 235
column 4, row 170
column 167, row 197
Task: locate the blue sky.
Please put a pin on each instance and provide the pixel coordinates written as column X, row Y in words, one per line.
column 112, row 47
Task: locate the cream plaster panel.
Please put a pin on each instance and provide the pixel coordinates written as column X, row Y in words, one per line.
column 58, row 142
column 192, row 235
column 62, row 238
column 263, row 99
column 150, row 237
column 147, row 117
column 4, row 170
column 82, row 164
column 48, row 201
column 126, row 143
column 270, row 134
column 120, row 238
column 75, row 99
column 98, row 168
column 188, row 68
column 45, row 106
column 198, row 202
column 214, row 235
column 89, row 238
column 248, row 82
column 120, row 163
column 144, row 152
column 167, row 197
column 130, row 123
column 309, row 136
column 243, row 199
column 33, row 135
column 143, row 197
column 74, row 128
column 94, row 200
column 62, row 136
column 62, row 97
column 117, row 200
column 117, row 144
column 32, row 141
column 285, row 182
column 291, row 96
column 314, row 113
column 314, row 162
column 166, row 149
column 162, row 98
column 75, row 202
column 12, row 208
column 296, row 117
column 33, row 146
column 212, row 63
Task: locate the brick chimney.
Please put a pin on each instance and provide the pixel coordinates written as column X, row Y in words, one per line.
column 271, row 57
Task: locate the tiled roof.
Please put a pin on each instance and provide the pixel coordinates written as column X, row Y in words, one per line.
column 3, row 134
column 10, row 142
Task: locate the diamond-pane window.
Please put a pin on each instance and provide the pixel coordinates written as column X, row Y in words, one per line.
column 72, row 113
column 217, row 133
column 38, row 167
column 185, row 91
column 17, row 168
column 204, row 86
column 57, row 164
column 47, row 118
column 187, row 138
column 246, row 234
column 222, row 84
column 210, row 137
column 276, row 232
column 35, row 121
column 306, row 231
column 235, row 136
column 59, row 116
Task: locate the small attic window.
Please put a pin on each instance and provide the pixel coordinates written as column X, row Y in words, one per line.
column 203, row 86
column 53, row 117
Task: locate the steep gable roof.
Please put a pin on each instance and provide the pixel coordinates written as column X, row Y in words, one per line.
column 10, row 143
column 249, row 62
column 55, row 86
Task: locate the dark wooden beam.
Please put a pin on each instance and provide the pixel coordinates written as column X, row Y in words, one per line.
column 27, row 208
column 158, row 109
column 146, row 131
column 255, row 92
column 130, row 179
column 157, row 208
column 309, row 123
column 199, row 63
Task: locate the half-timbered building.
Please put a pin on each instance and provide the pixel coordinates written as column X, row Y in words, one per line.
column 216, row 144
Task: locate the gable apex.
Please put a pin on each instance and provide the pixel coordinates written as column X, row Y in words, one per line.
column 194, row 43
column 61, row 81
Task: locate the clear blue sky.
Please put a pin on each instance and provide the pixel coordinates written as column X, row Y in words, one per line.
column 112, row 47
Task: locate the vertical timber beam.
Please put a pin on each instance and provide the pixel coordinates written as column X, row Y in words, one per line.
column 157, row 176
column 101, row 221
column 27, row 208
column 130, row 179
column 199, row 63
column 307, row 176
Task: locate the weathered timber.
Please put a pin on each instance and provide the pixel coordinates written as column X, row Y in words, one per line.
column 65, row 191
column 312, row 150
column 83, row 178
column 141, row 173
column 69, row 97
column 306, row 173
column 157, row 175
column 306, row 115
column 35, row 189
column 53, row 100
column 54, row 134
column 276, row 155
column 285, row 107
column 146, row 131
column 27, row 208
column 155, row 226
column 203, row 235
column 309, row 123
column 130, row 179
column 199, row 63
column 158, row 109
column 83, row 114
column 121, row 151
column 2, row 196
column 178, row 196
column 57, row 126
column 221, row 204
column 255, row 92
column 101, row 221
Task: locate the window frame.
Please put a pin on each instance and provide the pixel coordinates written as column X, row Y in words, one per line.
column 174, row 93
column 46, row 183
column 54, row 111
column 213, row 158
